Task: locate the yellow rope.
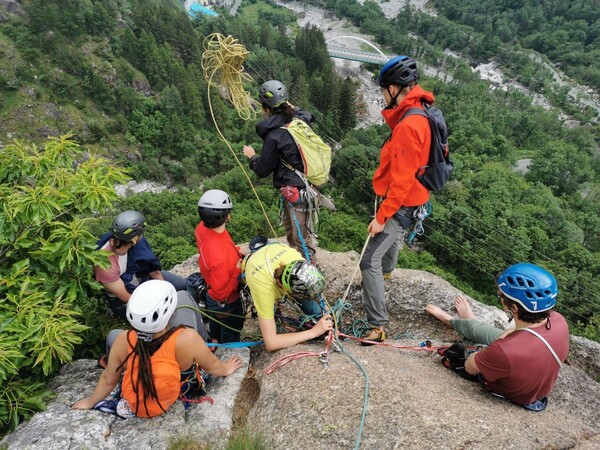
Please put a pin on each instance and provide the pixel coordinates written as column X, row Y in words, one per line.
column 222, row 62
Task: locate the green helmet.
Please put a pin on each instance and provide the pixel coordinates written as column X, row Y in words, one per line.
column 273, row 93
column 302, row 280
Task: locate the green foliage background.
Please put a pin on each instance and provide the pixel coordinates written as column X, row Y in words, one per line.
column 46, row 260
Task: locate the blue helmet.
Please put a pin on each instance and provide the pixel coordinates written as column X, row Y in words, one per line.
column 400, row 70
column 534, row 288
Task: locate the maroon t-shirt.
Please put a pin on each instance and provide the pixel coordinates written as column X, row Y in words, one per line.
column 520, row 366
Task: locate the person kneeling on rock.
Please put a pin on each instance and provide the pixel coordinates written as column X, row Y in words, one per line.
column 275, row 271
column 150, row 358
column 520, row 364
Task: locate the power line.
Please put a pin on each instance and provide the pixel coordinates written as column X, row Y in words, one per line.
column 327, row 132
column 489, row 254
column 513, row 239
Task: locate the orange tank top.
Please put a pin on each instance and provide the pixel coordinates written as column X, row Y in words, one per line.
column 166, row 374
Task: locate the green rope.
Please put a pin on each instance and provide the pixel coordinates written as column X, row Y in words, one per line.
column 366, row 397
column 198, row 310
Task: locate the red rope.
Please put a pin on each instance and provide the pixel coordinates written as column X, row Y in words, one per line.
column 286, row 359
column 384, row 344
column 295, row 356
column 204, row 398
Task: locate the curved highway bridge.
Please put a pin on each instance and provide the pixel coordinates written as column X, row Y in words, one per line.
column 336, row 51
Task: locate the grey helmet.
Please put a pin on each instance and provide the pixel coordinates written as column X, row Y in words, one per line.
column 128, row 225
column 273, row 93
column 214, row 206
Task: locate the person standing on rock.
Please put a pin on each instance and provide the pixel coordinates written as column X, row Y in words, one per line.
column 274, row 271
column 278, row 152
column 220, row 262
column 520, row 364
column 403, row 153
column 132, row 261
column 151, row 357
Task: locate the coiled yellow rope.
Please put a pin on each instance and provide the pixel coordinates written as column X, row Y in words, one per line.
column 222, row 63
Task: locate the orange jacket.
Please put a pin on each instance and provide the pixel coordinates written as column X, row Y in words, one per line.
column 402, row 155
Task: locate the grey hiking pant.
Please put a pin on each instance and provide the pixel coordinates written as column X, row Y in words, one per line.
column 381, row 256
column 181, row 316
column 475, row 332
column 300, row 211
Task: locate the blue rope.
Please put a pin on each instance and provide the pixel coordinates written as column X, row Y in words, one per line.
column 235, row 344
column 304, row 247
column 306, row 253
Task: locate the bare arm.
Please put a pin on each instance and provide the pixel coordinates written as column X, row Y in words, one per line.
column 117, row 288
column 109, row 377
column 193, row 345
column 274, row 341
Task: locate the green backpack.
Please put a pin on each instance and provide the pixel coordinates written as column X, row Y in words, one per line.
column 315, row 154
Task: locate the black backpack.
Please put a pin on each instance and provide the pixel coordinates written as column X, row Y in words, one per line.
column 439, row 167
column 197, row 288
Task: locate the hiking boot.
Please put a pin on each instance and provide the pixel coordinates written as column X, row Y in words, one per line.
column 108, row 405
column 376, row 334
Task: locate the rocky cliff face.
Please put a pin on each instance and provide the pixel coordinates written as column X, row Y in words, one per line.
column 414, row 402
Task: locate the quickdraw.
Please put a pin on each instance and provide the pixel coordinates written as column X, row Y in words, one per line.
column 421, row 213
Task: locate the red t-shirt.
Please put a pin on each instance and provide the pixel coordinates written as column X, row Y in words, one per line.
column 217, row 259
column 520, row 366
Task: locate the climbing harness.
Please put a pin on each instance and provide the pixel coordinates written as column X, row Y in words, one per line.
column 247, row 302
column 420, row 214
column 309, row 197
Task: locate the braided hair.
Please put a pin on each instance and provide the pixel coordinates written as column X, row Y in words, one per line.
column 143, row 350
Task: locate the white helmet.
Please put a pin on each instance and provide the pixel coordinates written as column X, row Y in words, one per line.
column 151, row 306
column 214, row 206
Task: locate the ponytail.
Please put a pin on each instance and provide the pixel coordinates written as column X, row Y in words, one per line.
column 286, row 110
column 143, row 350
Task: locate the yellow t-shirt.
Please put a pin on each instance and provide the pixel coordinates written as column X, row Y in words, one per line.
column 259, row 269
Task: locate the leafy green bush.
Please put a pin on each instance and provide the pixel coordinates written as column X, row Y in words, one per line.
column 46, row 260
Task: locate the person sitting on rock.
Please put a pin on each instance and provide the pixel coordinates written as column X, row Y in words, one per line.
column 274, row 271
column 151, row 357
column 132, row 261
column 520, row 364
column 220, row 262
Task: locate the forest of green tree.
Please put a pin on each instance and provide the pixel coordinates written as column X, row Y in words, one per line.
column 127, row 76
